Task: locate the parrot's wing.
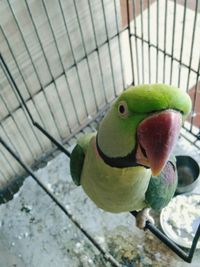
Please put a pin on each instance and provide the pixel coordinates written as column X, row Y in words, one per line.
column 78, row 156
column 76, row 163
column 162, row 187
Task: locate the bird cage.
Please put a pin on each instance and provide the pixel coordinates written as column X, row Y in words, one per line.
column 63, row 63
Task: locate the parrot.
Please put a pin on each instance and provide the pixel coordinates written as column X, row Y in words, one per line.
column 127, row 164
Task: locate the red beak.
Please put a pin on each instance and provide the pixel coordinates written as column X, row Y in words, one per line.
column 157, row 136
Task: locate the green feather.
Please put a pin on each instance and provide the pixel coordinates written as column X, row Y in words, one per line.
column 124, row 189
column 76, row 164
column 161, row 188
column 78, row 156
column 147, row 98
column 113, row 189
column 141, row 101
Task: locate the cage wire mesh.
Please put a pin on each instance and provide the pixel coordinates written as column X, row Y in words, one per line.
column 71, row 59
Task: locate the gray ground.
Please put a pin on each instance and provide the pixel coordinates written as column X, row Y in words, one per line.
column 34, row 232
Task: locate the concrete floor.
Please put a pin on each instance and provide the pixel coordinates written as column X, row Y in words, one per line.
column 34, row 232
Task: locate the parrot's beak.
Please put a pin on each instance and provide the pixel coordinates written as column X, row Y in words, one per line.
column 157, row 136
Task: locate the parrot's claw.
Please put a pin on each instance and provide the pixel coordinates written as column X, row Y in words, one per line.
column 142, row 217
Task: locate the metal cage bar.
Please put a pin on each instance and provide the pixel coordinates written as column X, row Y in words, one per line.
column 152, row 228
column 106, row 255
column 181, row 253
column 137, row 40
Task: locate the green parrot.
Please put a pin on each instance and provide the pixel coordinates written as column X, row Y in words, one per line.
column 126, row 165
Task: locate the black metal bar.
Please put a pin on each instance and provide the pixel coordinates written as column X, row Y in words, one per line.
column 173, row 38
column 119, row 46
column 157, row 40
column 181, row 253
column 195, row 143
column 26, row 86
column 64, row 72
column 130, row 42
column 175, row 248
column 53, row 140
column 37, row 125
column 165, row 40
column 15, row 85
column 195, row 96
column 149, row 226
column 192, row 43
column 142, row 37
column 32, row 62
column 167, row 54
column 42, row 89
column 60, row 60
column 153, row 229
column 85, row 52
column 136, row 43
column 149, row 41
column 76, row 61
column 97, row 50
column 182, row 43
column 47, row 64
column 109, row 48
column 105, row 254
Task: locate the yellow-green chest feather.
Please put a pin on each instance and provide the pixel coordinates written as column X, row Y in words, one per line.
column 113, row 189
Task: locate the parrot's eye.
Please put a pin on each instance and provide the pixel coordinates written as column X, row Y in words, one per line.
column 123, row 109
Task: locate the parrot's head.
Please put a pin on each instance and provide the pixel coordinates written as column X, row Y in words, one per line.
column 142, row 126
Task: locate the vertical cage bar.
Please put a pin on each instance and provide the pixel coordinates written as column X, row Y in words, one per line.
column 109, row 48
column 51, row 138
column 157, row 40
column 47, row 63
column 195, row 97
column 173, row 41
column 66, row 77
column 149, row 41
column 142, row 40
column 105, row 254
column 35, row 70
column 130, row 40
column 119, row 45
column 85, row 54
column 182, row 43
column 97, row 48
column 192, row 43
column 136, row 42
column 165, row 40
column 60, row 59
column 23, row 79
column 74, row 59
column 64, row 71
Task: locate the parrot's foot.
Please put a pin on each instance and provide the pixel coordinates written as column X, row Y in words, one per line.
column 142, row 217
